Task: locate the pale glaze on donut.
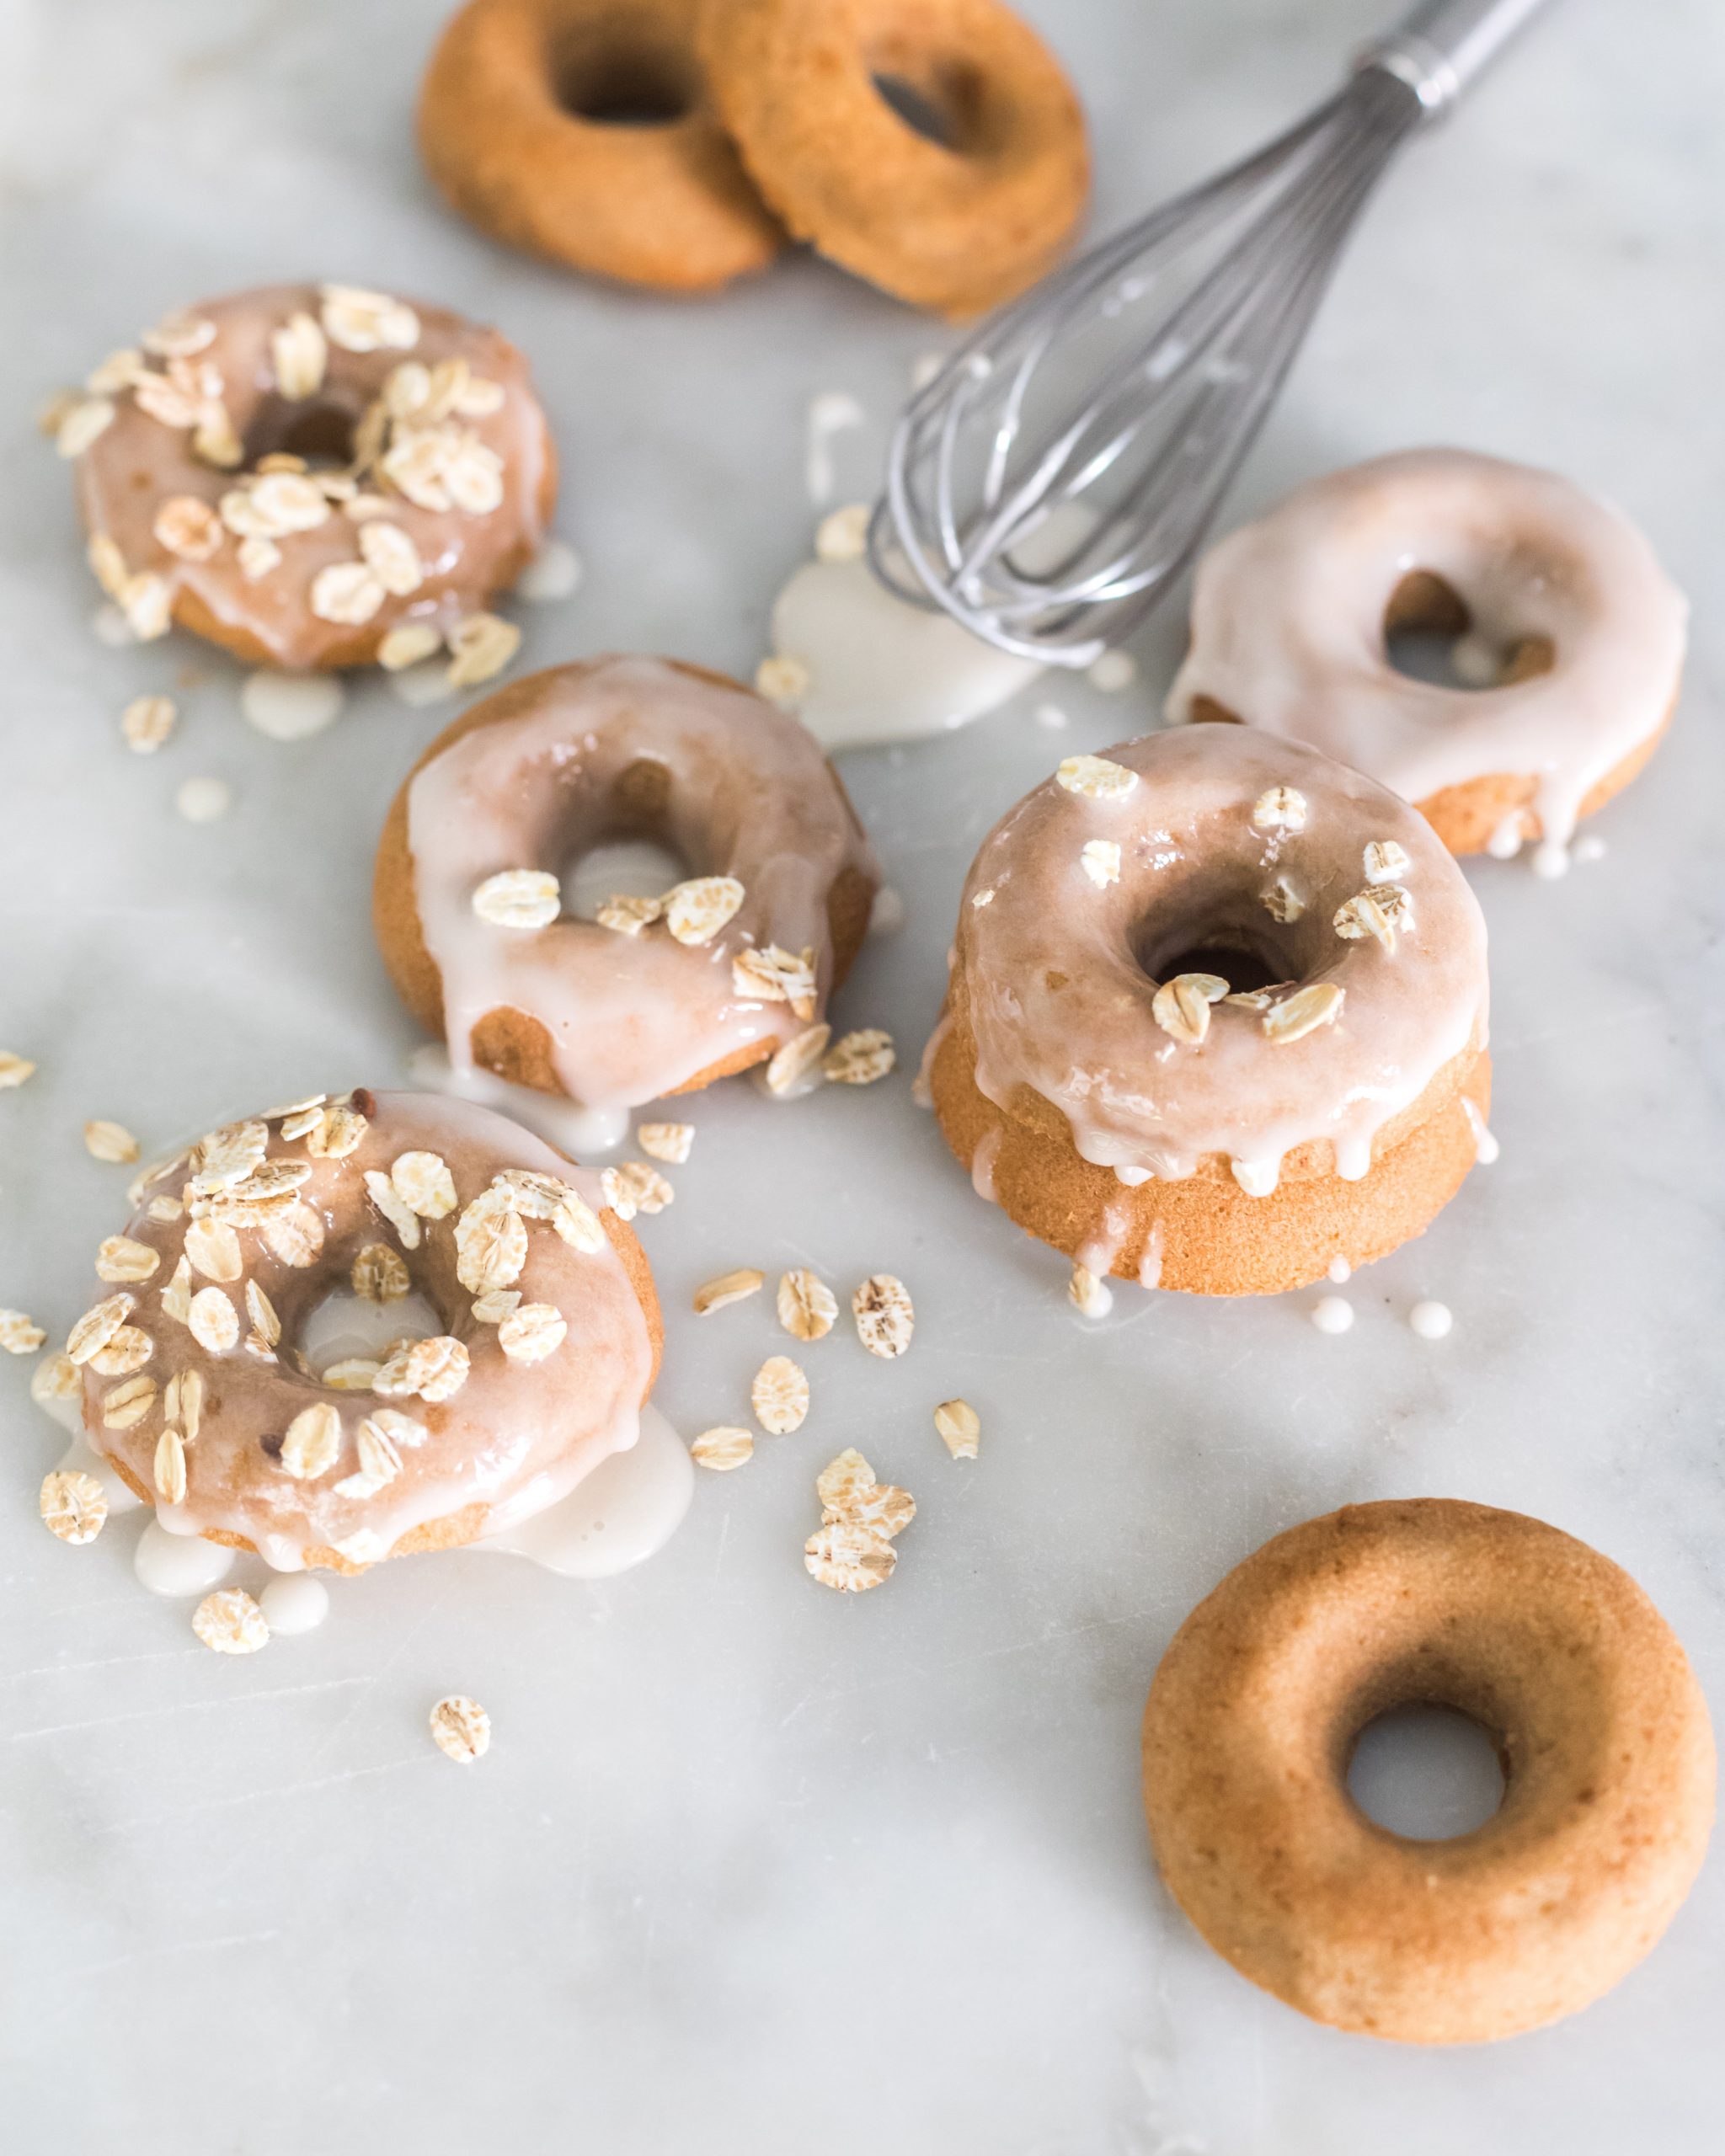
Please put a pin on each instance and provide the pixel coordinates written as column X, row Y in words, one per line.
column 513, row 1438
column 1058, row 975
column 139, row 462
column 747, row 794
column 1288, row 633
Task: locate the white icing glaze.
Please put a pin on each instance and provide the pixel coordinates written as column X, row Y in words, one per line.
column 204, row 800
column 1486, row 1148
column 621, row 1514
column 290, row 707
column 748, row 795
column 1431, row 1321
column 1149, row 1266
column 554, row 573
column 298, row 1603
column 886, row 916
column 424, row 683
column 1333, row 1315
column 1339, row 1269
column 982, row 1161
column 177, row 1564
column 830, row 413
column 1056, row 975
column 1288, row 615
column 581, row 1133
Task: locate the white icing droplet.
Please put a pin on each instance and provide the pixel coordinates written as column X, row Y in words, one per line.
column 1257, row 1178
column 1052, row 718
column 1332, row 1314
column 1340, row 1270
column 299, row 1602
column 829, row 414
column 574, row 1129
column 617, row 1517
column 1486, row 1148
column 425, row 682
column 886, row 916
column 1431, row 1321
column 1131, row 1177
column 1551, row 860
column 1589, row 847
column 290, row 707
column 1112, row 672
column 555, row 571
column 175, row 1565
column 1476, row 662
column 111, row 627
column 1505, row 843
column 204, row 800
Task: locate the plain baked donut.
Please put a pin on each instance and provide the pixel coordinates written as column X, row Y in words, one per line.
column 737, row 961
column 312, row 475
column 1575, row 630
column 513, row 129
column 1600, row 1726
column 1216, row 1016
column 193, row 1383
column 956, row 225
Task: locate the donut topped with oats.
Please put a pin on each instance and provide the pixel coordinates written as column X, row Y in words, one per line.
column 516, row 1327
column 314, row 476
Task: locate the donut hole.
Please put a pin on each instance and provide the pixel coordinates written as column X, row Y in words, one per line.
column 1431, row 635
column 943, row 111
column 1228, row 934
column 1242, row 970
column 620, row 865
column 321, row 431
column 630, row 81
column 1426, row 1772
column 343, row 1326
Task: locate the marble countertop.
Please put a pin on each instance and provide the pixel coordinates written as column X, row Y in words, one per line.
column 750, row 1866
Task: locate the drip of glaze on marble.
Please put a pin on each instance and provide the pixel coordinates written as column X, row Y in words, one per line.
column 577, row 1131
column 615, row 1518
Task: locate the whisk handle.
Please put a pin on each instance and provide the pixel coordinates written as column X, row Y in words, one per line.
column 1445, row 42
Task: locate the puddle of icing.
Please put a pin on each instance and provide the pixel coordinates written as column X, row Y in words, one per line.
column 298, row 1601
column 622, row 868
column 617, row 1517
column 1431, row 1321
column 290, row 707
column 554, row 572
column 577, row 1131
column 176, row 1565
column 1332, row 1314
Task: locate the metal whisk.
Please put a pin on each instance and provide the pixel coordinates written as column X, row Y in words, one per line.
column 1056, row 475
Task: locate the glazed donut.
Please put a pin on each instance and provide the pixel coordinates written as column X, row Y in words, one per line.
column 195, row 1389
column 300, row 471
column 1600, row 1727
column 523, row 125
column 956, row 228
column 740, row 959
column 1216, row 1016
column 1578, row 631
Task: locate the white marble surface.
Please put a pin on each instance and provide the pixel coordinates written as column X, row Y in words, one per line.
column 750, row 1867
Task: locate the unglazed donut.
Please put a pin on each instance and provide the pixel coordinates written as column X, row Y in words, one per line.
column 195, row 1389
column 1600, row 1726
column 1103, row 1084
column 1562, row 602
column 313, row 475
column 665, row 999
column 956, row 228
column 512, row 128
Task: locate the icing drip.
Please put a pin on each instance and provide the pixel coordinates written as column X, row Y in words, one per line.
column 1149, row 1266
column 1287, row 629
column 982, row 1162
column 178, row 1564
column 623, row 1512
column 296, row 1604
column 1486, row 1148
column 920, row 1092
column 579, row 1132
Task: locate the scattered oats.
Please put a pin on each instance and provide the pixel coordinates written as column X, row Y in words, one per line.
column 147, row 601
column 1379, row 912
column 379, row 1460
column 177, row 1295
column 1303, row 1012
column 779, row 1395
column 882, row 1507
column 1181, row 1007
column 490, row 1244
column 258, row 556
column 1096, row 777
column 772, row 975
column 724, row 1446
column 406, row 643
column 128, row 1349
column 204, row 800
column 423, row 1182
column 83, row 425
column 578, row 1224
column 14, row 1069
column 960, row 1428
column 632, row 1188
column 1113, row 671
column 530, row 1333
column 494, row 1308
column 312, row 1442
column 1088, row 1292
column 337, row 1131
column 98, row 1327
column 214, row 1322
column 843, row 534
column 379, row 1274
column 55, row 1378
column 183, row 1402
column 363, row 321
column 782, row 681
column 164, row 1208
column 229, row 1622
column 984, row 896
column 436, row 1370
column 844, row 1482
column 346, row 592
column 393, row 557
column 20, row 1334
column 299, row 352
column 1282, row 902
column 266, row 1323
column 228, row 1155
column 365, row 1546
column 1385, row 859
column 696, row 911
column 849, row 1558
column 1279, row 808
column 859, row 1058
column 168, row 1468
column 400, row 1429
column 117, row 372
column 519, row 898
column 73, row 1506
column 147, row 722
column 52, row 415
column 481, row 646
column 275, row 505
column 628, row 916
column 799, row 1058
column 213, row 1248
column 179, row 337
column 728, row 1288
column 665, row 1141
column 478, row 398
column 807, row 1307
column 120, row 1259
column 1102, row 861
column 109, row 1141
column 107, row 563
column 400, row 1215
column 270, row 1182
column 294, row 1233
column 125, row 1405
column 461, row 1729
column 188, row 527
column 352, row 1373
column 884, row 1317
column 216, row 441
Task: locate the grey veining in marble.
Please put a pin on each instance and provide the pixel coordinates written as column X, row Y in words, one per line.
column 750, row 1867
